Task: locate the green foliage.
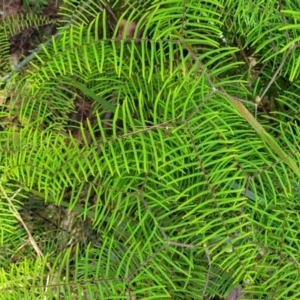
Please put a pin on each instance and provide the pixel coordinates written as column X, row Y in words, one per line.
column 10, row 26
column 131, row 167
column 35, row 6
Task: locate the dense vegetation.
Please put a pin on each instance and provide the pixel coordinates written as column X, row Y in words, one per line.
column 150, row 150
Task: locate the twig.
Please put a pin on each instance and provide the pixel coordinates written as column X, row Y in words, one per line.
column 19, row 218
column 277, row 71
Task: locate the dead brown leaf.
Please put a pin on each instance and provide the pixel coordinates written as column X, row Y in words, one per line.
column 11, row 7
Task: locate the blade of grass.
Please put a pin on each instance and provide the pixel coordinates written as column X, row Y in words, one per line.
column 264, row 135
column 94, row 96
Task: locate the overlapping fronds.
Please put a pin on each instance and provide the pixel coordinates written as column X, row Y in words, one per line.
column 157, row 172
